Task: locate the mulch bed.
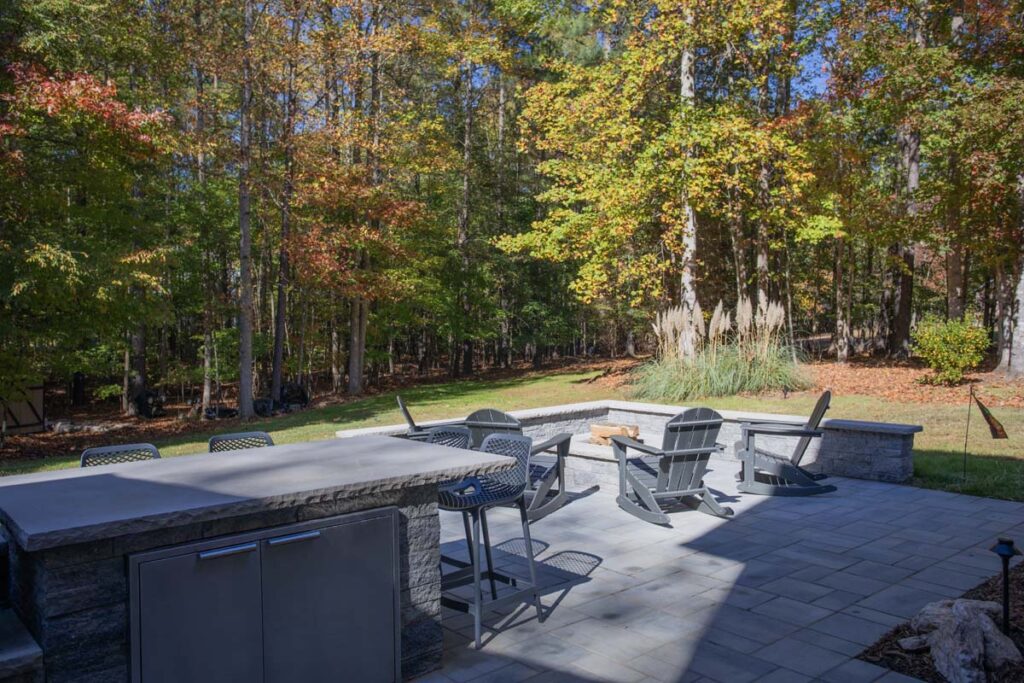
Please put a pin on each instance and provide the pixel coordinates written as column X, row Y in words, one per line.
column 887, row 652
column 903, row 381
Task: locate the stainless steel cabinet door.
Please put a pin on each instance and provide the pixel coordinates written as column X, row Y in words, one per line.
column 330, row 602
column 199, row 617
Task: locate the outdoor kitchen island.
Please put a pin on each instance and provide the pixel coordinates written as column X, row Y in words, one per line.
column 296, row 562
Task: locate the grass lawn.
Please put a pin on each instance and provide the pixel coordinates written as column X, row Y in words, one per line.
column 995, row 468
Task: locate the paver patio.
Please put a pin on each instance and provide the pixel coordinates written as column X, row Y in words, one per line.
column 790, row 589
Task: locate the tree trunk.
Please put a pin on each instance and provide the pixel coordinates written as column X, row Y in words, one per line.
column 464, row 213
column 1011, row 309
column 687, row 282
column 137, row 374
column 245, row 410
column 910, row 153
column 842, row 334
column 954, row 283
column 286, row 214
column 1014, row 356
column 909, row 140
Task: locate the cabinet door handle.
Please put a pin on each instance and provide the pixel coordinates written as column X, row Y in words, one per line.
column 294, row 538
column 226, row 552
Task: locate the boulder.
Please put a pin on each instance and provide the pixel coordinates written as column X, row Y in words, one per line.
column 966, row 645
column 914, row 643
column 935, row 614
column 958, row 647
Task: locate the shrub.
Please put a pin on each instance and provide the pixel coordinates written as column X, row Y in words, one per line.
column 949, row 348
column 720, row 358
column 725, row 373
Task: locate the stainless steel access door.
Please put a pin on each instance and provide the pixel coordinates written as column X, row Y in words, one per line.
column 330, row 603
column 200, row 616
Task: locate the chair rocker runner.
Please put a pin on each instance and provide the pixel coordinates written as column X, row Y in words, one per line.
column 547, row 490
column 671, row 474
column 473, row 497
column 772, row 474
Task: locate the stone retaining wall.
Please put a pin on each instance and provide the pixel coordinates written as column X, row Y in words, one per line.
column 881, row 451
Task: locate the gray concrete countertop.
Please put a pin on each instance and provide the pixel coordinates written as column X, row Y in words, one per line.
column 53, row 509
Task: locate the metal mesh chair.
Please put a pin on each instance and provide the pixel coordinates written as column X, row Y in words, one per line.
column 453, row 437
column 239, row 441
column 547, row 463
column 115, row 455
column 473, row 497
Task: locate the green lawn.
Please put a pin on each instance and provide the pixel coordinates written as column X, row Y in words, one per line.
column 995, row 468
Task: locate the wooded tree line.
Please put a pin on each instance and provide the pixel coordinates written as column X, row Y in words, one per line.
column 317, row 191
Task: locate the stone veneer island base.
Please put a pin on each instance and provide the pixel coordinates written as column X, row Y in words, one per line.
column 72, row 534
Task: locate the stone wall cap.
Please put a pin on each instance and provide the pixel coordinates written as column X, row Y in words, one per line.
column 66, row 507
column 594, row 408
column 867, row 426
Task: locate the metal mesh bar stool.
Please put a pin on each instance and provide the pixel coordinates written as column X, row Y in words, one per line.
column 473, row 497
column 547, row 461
column 115, row 455
column 236, row 442
column 454, row 437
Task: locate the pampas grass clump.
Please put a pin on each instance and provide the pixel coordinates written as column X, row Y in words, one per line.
column 720, row 358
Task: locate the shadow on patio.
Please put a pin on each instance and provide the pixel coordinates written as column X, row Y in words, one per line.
column 788, row 590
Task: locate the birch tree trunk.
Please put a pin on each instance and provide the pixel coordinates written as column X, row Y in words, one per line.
column 1010, row 309
column 687, row 280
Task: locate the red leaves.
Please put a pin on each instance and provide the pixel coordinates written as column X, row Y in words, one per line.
column 75, row 94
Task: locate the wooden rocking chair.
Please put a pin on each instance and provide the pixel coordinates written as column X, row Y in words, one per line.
column 672, row 474
column 771, row 474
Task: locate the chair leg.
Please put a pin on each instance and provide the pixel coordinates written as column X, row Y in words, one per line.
column 477, row 595
column 487, row 552
column 529, row 557
column 469, row 535
column 710, row 506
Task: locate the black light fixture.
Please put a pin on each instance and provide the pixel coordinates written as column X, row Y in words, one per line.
column 1005, row 549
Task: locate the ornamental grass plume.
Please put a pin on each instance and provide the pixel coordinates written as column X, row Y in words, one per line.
column 716, row 358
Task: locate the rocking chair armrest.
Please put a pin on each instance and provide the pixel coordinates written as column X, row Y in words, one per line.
column 778, row 429
column 624, row 442
column 559, row 441
column 417, row 435
column 715, row 448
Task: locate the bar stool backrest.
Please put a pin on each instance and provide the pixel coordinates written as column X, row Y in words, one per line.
column 115, row 455
column 514, row 446
column 454, row 437
column 239, row 441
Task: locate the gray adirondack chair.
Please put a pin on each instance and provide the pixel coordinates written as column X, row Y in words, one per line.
column 415, row 432
column 773, row 474
column 664, row 477
column 547, row 460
